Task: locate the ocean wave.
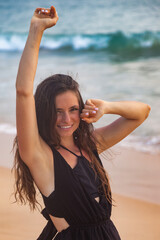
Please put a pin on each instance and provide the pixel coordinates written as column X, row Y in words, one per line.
column 7, row 128
column 146, row 44
column 148, row 144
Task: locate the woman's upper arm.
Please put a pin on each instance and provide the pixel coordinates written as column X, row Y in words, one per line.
column 29, row 141
column 113, row 133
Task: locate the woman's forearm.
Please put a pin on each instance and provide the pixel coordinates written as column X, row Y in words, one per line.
column 94, row 109
column 128, row 109
column 41, row 20
column 28, row 62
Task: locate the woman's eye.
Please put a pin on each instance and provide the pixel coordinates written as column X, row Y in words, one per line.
column 74, row 109
column 59, row 112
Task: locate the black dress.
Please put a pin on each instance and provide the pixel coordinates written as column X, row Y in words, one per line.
column 74, row 200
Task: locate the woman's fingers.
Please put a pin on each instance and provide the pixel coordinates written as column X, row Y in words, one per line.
column 89, row 120
column 53, row 11
column 93, row 107
column 87, row 113
column 37, row 10
column 92, row 111
column 88, row 102
column 45, row 12
column 42, row 12
column 50, row 12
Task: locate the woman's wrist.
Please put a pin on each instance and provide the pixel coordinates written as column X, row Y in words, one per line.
column 36, row 28
column 35, row 35
column 107, row 107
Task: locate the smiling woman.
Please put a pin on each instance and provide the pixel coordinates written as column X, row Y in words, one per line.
column 58, row 149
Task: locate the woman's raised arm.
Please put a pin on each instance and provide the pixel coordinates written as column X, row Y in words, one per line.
column 132, row 114
column 29, row 141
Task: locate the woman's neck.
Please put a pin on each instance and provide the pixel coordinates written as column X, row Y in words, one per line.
column 68, row 142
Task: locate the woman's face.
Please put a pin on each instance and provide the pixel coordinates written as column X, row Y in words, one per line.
column 68, row 117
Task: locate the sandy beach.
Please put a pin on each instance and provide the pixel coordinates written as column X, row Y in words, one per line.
column 135, row 183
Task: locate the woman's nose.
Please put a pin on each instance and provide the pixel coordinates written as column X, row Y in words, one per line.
column 66, row 117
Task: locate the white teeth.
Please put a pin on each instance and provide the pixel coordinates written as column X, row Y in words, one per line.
column 65, row 126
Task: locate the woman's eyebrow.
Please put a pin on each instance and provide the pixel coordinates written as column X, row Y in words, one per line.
column 74, row 106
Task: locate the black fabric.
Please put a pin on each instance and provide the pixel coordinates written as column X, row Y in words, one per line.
column 71, row 151
column 74, row 200
column 85, row 173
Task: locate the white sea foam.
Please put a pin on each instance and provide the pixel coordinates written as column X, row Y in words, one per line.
column 12, row 44
column 147, row 43
column 17, row 42
column 4, row 44
column 51, row 44
column 144, row 144
column 7, row 128
column 81, row 42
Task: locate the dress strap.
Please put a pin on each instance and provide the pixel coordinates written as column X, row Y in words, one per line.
column 71, row 151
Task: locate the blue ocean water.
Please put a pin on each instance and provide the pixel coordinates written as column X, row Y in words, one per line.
column 112, row 47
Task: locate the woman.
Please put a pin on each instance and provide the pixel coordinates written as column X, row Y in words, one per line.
column 57, row 148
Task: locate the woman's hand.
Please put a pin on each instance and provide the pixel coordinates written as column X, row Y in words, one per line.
column 44, row 18
column 93, row 110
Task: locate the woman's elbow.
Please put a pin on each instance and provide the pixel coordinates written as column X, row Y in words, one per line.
column 147, row 111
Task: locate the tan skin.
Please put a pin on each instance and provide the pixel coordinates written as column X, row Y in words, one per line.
column 33, row 150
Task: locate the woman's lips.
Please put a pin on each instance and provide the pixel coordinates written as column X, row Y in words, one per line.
column 65, row 127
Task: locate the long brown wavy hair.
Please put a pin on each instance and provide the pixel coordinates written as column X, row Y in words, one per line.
column 46, row 92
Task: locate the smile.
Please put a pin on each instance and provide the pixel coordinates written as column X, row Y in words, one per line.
column 65, row 127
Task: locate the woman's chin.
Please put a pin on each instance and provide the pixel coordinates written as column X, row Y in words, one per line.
column 65, row 133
